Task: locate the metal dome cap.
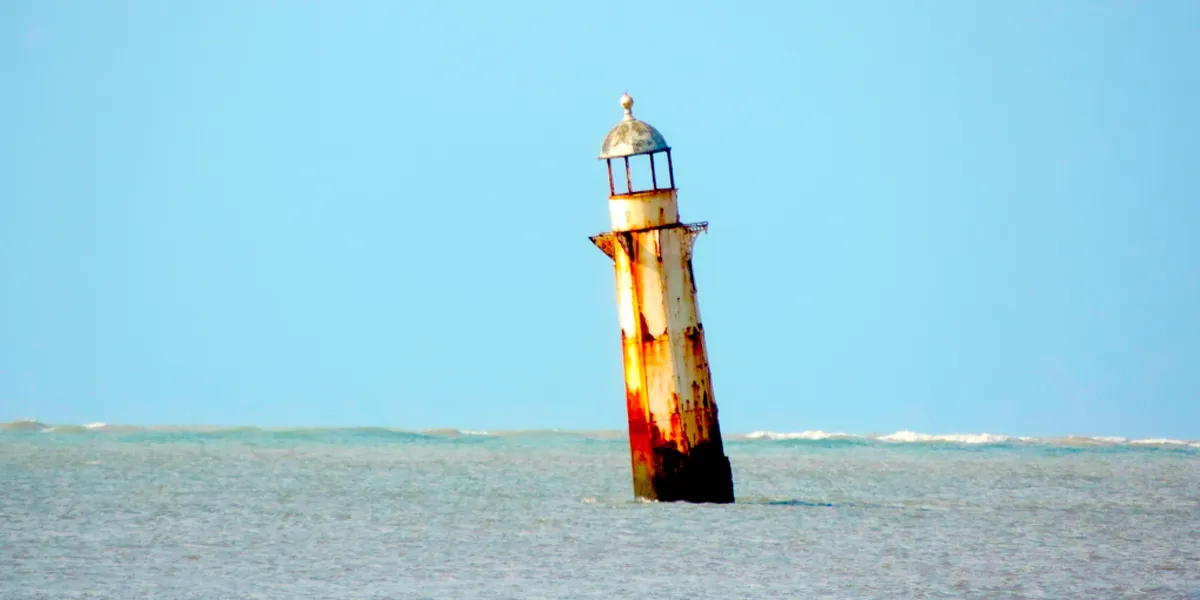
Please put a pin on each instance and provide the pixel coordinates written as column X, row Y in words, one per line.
column 631, row 136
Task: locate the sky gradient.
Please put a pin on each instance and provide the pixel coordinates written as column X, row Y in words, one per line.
column 937, row 216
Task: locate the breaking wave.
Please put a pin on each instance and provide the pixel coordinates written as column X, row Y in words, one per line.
column 303, row 433
column 23, row 425
column 803, row 435
column 911, row 437
column 1163, row 442
column 386, row 434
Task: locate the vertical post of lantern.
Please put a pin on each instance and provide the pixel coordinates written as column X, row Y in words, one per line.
column 676, row 451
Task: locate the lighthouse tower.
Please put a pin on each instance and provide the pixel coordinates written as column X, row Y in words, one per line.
column 674, row 437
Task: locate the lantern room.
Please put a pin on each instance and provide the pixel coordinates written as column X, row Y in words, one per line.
column 640, row 152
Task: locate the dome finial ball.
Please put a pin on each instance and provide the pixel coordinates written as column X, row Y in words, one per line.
column 631, row 137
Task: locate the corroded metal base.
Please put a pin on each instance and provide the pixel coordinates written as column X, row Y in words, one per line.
column 666, row 474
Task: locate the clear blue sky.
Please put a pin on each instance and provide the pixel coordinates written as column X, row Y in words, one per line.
column 937, row 216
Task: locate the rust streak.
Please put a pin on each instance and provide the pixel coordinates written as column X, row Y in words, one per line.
column 647, row 337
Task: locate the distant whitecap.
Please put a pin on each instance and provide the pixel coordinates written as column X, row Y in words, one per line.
column 1158, row 442
column 802, row 435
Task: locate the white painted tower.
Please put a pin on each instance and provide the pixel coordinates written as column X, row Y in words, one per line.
column 674, row 434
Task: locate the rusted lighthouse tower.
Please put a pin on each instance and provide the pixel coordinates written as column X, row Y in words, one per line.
column 674, row 437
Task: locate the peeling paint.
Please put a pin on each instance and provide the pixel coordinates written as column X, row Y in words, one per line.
column 674, row 436
column 675, row 441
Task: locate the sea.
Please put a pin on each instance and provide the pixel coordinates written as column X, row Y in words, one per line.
column 102, row 511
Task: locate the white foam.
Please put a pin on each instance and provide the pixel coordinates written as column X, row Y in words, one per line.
column 1158, row 442
column 905, row 436
column 802, row 435
column 902, row 436
column 974, row 438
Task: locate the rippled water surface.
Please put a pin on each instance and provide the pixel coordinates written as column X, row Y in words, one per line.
column 111, row 513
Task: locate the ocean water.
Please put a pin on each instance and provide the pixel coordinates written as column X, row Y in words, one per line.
column 110, row 512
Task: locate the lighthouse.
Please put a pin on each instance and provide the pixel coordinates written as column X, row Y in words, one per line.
column 674, row 437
